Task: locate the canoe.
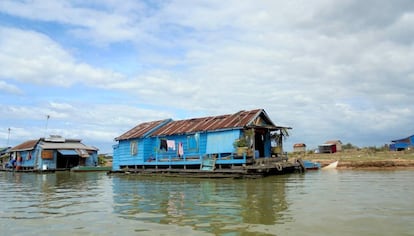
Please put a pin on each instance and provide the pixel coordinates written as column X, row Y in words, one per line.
column 333, row 165
column 310, row 165
column 90, row 168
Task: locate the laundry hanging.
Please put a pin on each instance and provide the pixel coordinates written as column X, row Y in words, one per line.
column 180, row 151
column 171, row 144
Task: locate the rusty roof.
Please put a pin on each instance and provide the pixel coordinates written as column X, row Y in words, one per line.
column 241, row 119
column 47, row 143
column 333, row 142
column 66, row 145
column 299, row 145
column 142, row 130
column 230, row 121
column 26, row 146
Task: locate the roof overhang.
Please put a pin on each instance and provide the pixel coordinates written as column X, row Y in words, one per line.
column 66, row 146
column 66, row 152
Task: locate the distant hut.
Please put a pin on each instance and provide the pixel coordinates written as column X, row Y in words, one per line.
column 402, row 144
column 327, row 148
column 337, row 143
column 299, row 147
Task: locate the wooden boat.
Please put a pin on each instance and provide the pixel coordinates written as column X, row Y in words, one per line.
column 310, row 165
column 90, row 168
column 333, row 165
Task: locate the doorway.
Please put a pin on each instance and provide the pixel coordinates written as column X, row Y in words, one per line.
column 259, row 142
column 67, row 161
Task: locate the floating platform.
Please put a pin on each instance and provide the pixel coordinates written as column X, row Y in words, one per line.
column 261, row 167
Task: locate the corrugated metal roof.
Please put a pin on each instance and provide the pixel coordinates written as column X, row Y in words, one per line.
column 230, row 121
column 299, row 145
column 68, row 152
column 242, row 119
column 141, row 130
column 26, row 146
column 333, row 142
column 403, row 140
column 66, row 146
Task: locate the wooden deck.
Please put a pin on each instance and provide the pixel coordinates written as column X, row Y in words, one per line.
column 260, row 168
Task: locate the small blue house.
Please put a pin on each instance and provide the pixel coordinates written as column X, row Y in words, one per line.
column 402, row 144
column 53, row 153
column 187, row 144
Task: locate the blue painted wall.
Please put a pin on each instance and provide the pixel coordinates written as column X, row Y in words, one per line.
column 195, row 145
column 222, row 141
column 124, row 156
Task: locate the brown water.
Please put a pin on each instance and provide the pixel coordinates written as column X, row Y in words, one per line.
column 315, row 203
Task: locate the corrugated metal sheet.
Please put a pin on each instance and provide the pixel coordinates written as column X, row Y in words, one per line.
column 333, row 142
column 68, row 152
column 299, row 145
column 141, row 130
column 404, row 140
column 28, row 145
column 237, row 120
column 74, row 145
column 241, row 119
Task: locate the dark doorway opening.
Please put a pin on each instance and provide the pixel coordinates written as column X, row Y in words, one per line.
column 259, row 142
column 67, row 161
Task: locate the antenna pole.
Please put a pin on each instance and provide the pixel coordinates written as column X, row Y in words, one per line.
column 47, row 121
column 8, row 137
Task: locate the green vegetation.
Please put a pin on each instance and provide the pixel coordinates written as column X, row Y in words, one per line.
column 104, row 159
column 242, row 142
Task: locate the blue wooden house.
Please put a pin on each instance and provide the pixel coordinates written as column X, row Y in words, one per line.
column 402, row 144
column 222, row 141
column 53, row 153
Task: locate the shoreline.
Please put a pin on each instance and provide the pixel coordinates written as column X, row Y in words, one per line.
column 363, row 160
column 370, row 164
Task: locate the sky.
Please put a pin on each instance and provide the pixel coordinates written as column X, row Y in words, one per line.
column 331, row 70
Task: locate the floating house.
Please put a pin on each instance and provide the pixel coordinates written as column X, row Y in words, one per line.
column 299, row 147
column 209, row 143
column 4, row 150
column 4, row 157
column 53, row 153
column 402, row 144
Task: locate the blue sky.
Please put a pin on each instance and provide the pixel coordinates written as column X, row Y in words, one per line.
column 329, row 69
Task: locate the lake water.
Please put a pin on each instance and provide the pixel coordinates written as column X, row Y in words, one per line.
column 338, row 202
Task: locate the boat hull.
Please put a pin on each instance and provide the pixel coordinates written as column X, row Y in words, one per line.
column 90, row 168
column 310, row 165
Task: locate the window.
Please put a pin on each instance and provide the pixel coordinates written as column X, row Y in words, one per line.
column 192, row 142
column 47, row 154
column 163, row 145
column 134, row 148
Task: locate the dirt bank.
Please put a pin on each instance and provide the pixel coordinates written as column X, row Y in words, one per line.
column 363, row 159
column 346, row 164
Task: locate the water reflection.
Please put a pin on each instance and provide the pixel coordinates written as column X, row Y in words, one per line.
column 210, row 205
column 37, row 196
column 315, row 203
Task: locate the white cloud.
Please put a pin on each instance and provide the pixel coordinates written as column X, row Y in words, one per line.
column 31, row 57
column 61, row 106
column 109, row 24
column 9, row 88
column 329, row 69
